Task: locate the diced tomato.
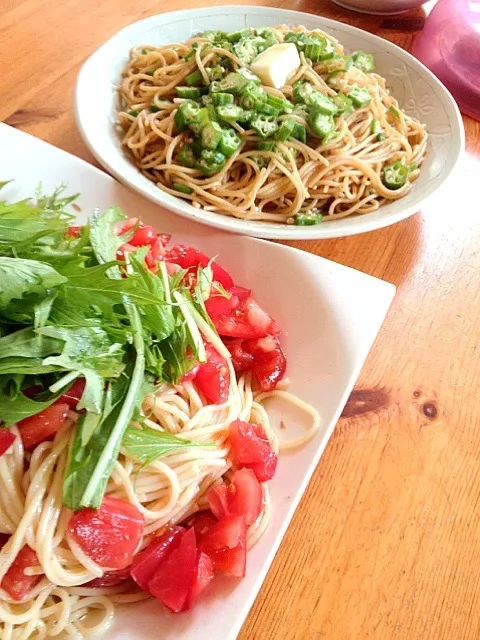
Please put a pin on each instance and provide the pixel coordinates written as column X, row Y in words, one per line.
column 246, row 495
column 203, row 523
column 265, row 470
column 232, row 562
column 109, row 579
column 213, row 376
column 125, row 248
column 43, row 425
column 218, row 305
column 146, row 562
column 228, row 533
column 7, row 438
column 127, row 226
column 269, row 361
column 242, row 497
column 143, row 235
column 247, row 321
column 15, row 582
column 74, row 231
column 203, row 576
column 251, row 449
column 173, row 579
column 219, row 501
column 109, row 535
column 4, row 538
column 73, row 395
column 242, row 359
column 191, row 258
column 240, row 292
column 190, row 375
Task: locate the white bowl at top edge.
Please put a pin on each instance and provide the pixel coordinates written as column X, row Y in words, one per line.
column 415, row 87
column 383, row 8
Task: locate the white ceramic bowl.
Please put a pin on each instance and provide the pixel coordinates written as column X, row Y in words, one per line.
column 339, row 309
column 416, row 88
column 381, row 7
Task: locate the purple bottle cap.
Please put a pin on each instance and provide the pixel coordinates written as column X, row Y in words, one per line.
column 449, row 45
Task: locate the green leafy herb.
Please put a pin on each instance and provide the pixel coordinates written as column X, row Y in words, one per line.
column 147, row 444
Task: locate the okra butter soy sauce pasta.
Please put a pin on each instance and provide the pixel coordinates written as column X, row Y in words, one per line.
column 272, row 124
column 135, row 448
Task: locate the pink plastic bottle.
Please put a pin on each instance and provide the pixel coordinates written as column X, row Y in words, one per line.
column 449, row 45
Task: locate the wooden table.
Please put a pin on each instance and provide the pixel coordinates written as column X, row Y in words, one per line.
column 385, row 543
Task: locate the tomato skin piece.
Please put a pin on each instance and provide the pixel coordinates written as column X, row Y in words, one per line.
column 143, row 235
column 248, row 321
column 269, row 361
column 219, row 501
column 231, row 562
column 41, row 426
column 74, row 231
column 15, row 582
column 202, row 578
column 228, row 533
column 73, row 394
column 246, row 496
column 192, row 258
column 249, row 445
column 146, row 562
column 174, row 578
column 109, row 535
column 242, row 359
column 190, row 375
column 109, row 579
column 251, row 449
column 7, row 438
column 218, row 305
column 213, row 377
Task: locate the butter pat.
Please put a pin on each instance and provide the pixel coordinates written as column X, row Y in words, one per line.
column 275, row 64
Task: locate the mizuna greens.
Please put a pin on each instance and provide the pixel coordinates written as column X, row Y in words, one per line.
column 68, row 310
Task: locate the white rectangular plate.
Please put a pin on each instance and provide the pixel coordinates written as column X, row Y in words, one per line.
column 331, row 315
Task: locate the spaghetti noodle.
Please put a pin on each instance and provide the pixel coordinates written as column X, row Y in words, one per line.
column 341, row 173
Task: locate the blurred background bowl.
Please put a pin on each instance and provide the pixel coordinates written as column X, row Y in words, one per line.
column 383, row 7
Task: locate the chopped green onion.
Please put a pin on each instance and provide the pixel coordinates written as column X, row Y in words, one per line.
column 133, row 112
column 363, row 61
column 360, row 96
column 286, row 130
column 188, row 92
column 151, row 72
column 395, row 175
column 394, row 111
column 413, row 166
column 182, row 188
column 308, row 218
column 154, row 108
column 264, row 125
column 194, row 78
column 229, row 142
column 191, row 53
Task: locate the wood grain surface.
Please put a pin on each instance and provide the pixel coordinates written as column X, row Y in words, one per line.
column 385, row 544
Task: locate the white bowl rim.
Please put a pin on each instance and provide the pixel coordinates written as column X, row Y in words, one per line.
column 353, row 225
